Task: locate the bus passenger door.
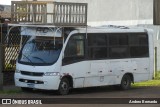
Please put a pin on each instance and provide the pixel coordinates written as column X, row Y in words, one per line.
column 74, row 63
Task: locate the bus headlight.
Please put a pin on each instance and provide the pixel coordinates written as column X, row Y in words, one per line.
column 51, row 74
column 17, row 71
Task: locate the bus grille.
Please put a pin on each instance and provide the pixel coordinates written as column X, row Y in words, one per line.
column 32, row 73
column 31, row 81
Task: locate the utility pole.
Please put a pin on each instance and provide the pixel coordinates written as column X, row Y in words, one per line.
column 155, row 61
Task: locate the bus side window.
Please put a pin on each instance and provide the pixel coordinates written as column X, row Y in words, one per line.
column 139, row 46
column 71, row 48
column 74, row 51
column 97, row 46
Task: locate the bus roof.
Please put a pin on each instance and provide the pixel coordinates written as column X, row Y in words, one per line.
column 111, row 29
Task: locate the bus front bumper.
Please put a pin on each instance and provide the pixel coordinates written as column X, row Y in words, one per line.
column 43, row 82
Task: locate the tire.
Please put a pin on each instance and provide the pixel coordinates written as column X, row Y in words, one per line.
column 64, row 87
column 125, row 82
column 26, row 89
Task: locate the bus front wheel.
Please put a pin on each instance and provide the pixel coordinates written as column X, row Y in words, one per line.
column 125, row 82
column 64, row 87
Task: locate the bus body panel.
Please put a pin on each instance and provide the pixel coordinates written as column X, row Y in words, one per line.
column 78, row 71
column 151, row 52
column 107, row 72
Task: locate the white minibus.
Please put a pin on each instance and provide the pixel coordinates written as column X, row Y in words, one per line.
column 96, row 56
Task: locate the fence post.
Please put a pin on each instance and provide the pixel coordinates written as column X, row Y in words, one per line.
column 155, row 75
column 1, row 68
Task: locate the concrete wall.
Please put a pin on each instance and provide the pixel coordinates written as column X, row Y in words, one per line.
column 118, row 12
column 122, row 12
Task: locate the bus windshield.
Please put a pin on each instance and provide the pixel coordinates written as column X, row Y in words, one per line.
column 41, row 51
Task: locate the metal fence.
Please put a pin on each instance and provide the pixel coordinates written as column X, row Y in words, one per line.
column 10, row 46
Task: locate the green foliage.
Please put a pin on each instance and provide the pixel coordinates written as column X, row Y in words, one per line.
column 10, row 66
column 157, row 77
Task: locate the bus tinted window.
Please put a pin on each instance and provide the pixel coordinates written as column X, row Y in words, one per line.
column 75, row 49
column 75, row 46
column 138, row 39
column 118, row 43
column 138, row 45
column 97, row 39
column 98, row 53
column 139, row 51
column 97, row 46
column 119, row 52
column 117, row 39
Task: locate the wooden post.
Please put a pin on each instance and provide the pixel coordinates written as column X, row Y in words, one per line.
column 34, row 12
column 1, row 66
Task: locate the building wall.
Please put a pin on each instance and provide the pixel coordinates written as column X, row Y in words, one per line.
column 118, row 12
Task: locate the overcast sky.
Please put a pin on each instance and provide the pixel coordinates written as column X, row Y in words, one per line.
column 7, row 2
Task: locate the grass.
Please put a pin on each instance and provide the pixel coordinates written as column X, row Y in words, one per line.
column 157, row 75
column 147, row 83
column 9, row 91
column 155, row 82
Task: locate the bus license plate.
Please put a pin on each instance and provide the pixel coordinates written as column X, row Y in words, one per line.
column 31, row 85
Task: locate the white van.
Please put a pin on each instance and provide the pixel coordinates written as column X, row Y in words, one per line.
column 86, row 58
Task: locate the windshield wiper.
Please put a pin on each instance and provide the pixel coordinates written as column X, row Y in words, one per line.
column 28, row 59
column 39, row 59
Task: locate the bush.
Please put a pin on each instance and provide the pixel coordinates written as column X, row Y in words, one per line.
column 157, row 77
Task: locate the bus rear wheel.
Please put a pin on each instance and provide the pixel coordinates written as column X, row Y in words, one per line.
column 64, row 87
column 125, row 82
